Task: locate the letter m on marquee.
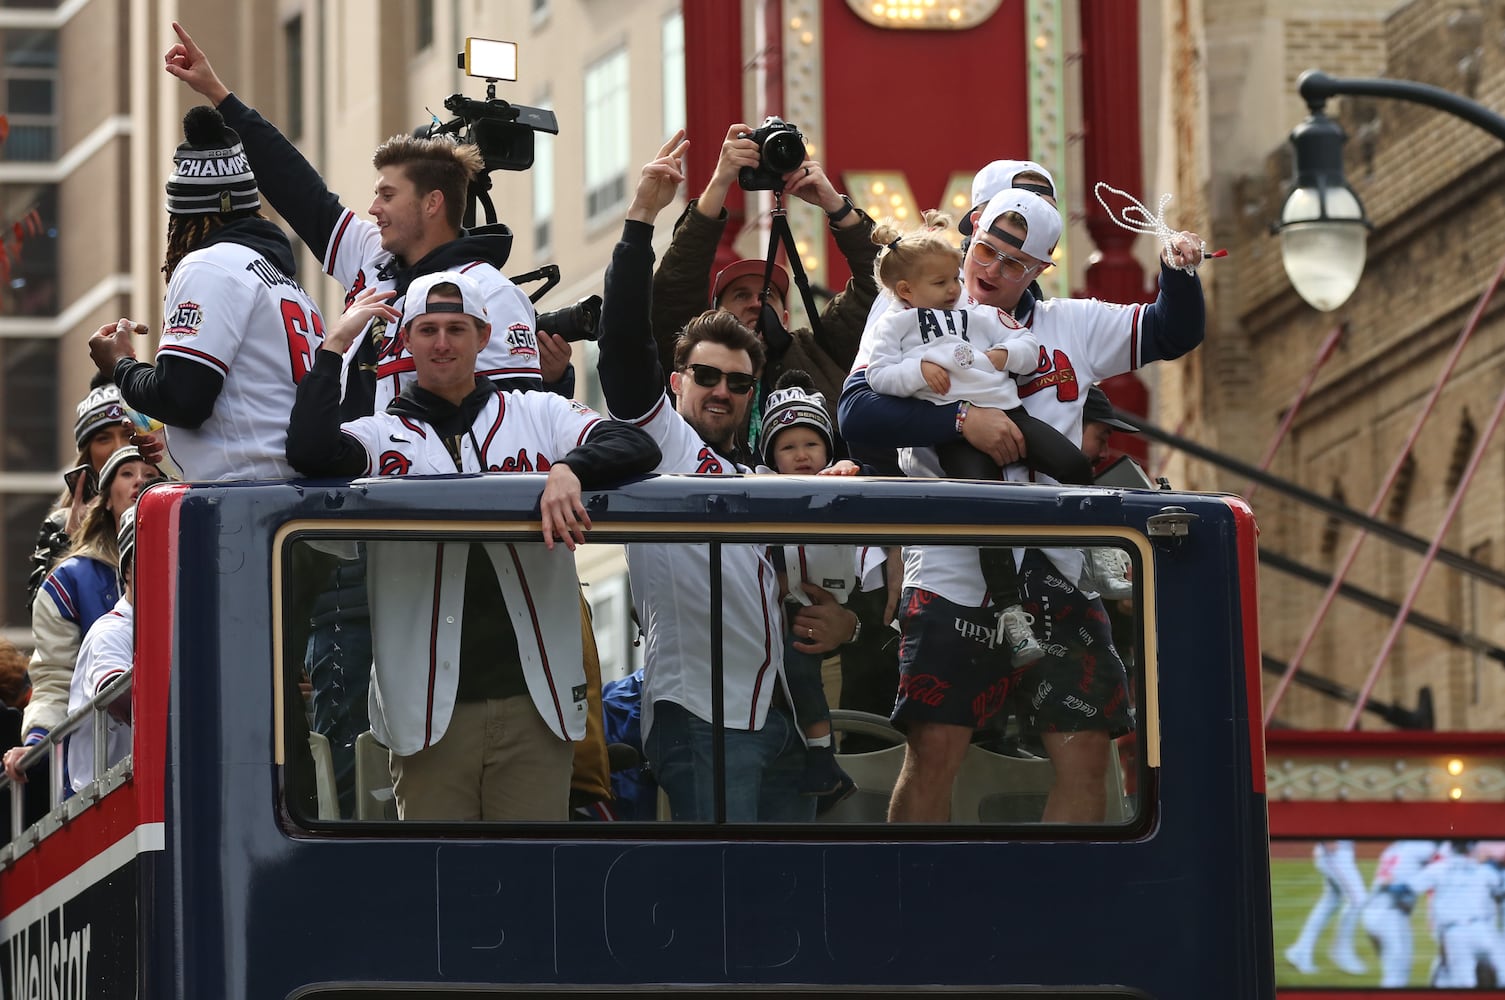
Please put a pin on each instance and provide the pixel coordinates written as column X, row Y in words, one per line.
column 886, row 194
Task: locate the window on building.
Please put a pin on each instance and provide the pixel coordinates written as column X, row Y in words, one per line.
column 28, row 266
column 30, row 83
column 543, row 187
column 423, row 30
column 606, row 124
column 292, row 49
column 673, row 38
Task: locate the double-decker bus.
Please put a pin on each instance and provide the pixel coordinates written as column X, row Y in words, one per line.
column 216, row 860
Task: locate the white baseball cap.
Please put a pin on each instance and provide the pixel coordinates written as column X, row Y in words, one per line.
column 1042, row 223
column 416, row 303
column 999, row 176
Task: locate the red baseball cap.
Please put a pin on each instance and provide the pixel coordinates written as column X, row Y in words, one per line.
column 741, row 269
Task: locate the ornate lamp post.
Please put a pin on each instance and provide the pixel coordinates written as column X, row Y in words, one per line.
column 1322, row 225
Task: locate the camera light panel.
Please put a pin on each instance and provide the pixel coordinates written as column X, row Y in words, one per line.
column 490, row 59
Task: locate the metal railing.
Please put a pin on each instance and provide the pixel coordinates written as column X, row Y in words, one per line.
column 62, row 803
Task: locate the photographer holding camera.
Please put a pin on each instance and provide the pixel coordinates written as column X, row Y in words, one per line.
column 682, row 287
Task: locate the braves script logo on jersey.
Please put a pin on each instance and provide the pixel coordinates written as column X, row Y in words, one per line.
column 393, row 463
column 356, row 287
column 184, row 320
column 1054, row 370
column 521, row 463
column 520, row 341
column 930, row 324
column 709, row 465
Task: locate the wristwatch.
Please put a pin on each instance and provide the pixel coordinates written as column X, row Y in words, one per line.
column 856, row 628
column 846, row 209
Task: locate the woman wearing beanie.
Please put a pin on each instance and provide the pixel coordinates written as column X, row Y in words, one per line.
column 83, row 587
column 101, row 427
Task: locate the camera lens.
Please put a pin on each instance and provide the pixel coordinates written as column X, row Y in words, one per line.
column 783, row 151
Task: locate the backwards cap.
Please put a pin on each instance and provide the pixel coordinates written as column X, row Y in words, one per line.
column 210, row 172
column 1042, row 223
column 100, row 408
column 416, row 303
column 999, row 176
column 794, row 407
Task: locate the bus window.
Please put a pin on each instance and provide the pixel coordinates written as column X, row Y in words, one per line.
column 467, row 674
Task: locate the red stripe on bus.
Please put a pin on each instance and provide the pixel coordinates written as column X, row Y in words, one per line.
column 1248, row 570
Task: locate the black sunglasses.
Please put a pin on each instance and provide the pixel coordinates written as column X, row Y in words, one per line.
column 707, row 376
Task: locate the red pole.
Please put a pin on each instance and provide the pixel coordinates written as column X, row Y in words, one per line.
column 713, row 100
column 1323, row 353
column 1384, row 490
column 1426, row 562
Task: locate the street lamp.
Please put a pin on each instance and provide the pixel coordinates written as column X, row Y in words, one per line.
column 1322, row 225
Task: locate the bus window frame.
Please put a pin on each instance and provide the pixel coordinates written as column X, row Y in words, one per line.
column 1144, row 676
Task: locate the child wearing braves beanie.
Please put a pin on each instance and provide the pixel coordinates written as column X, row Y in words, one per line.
column 796, row 439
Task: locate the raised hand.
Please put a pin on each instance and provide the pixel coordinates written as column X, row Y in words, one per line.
column 366, row 306
column 187, row 62
column 660, row 180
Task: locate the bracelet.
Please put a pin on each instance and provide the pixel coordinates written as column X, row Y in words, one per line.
column 856, row 626
column 961, row 414
column 845, row 210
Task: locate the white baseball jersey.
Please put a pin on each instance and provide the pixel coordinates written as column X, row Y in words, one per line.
column 417, row 589
column 356, row 260
column 1464, row 911
column 1386, row 915
column 107, row 652
column 955, row 339
column 1082, row 341
column 228, row 308
column 671, row 593
column 1400, row 862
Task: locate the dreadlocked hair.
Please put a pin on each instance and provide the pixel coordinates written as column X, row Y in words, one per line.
column 186, row 233
column 903, row 253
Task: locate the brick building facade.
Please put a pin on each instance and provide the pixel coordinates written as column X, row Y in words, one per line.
column 1431, row 183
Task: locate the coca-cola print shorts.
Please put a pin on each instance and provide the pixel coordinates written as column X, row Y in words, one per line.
column 954, row 668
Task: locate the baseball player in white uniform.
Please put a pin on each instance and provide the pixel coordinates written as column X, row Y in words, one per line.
column 108, row 652
column 1386, row 915
column 414, row 231
column 717, row 362
column 238, row 331
column 1465, row 917
column 1081, row 341
column 482, row 728
column 1342, row 893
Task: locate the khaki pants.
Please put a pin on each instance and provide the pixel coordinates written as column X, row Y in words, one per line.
column 496, row 761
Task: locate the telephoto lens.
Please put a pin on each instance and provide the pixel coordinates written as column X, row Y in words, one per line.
column 573, row 322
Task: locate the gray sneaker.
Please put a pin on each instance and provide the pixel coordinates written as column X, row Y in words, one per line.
column 1015, row 632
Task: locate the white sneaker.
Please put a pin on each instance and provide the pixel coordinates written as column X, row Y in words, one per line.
column 1350, row 963
column 1111, row 569
column 1015, row 632
column 1303, row 963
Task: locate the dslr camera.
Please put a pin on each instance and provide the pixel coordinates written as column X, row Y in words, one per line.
column 781, row 148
